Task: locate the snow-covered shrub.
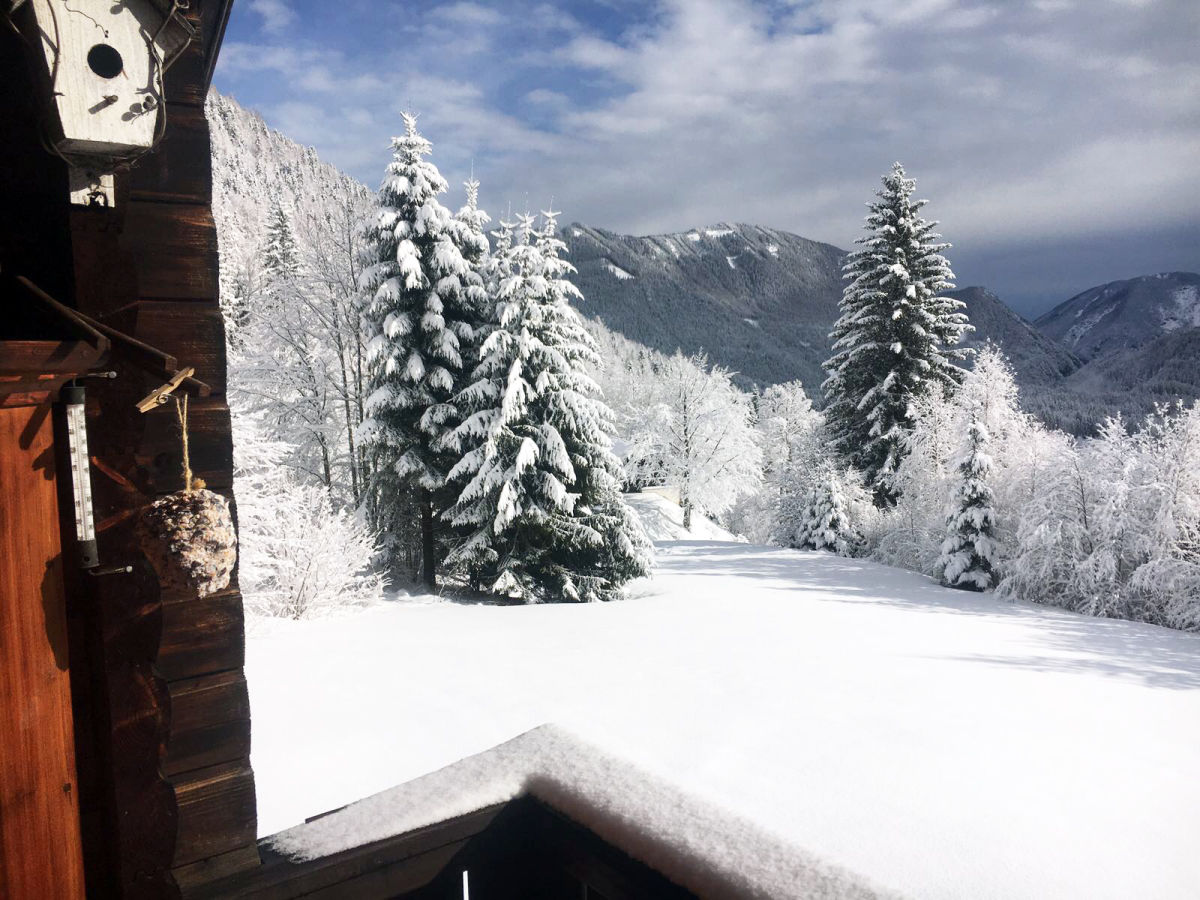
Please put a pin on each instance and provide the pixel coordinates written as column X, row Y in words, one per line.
column 911, row 533
column 793, row 450
column 1111, row 528
column 299, row 556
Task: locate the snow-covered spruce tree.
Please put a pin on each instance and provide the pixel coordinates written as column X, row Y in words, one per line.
column 539, row 483
column 423, row 308
column 281, row 259
column 830, row 513
column 968, row 557
column 474, row 248
column 895, row 339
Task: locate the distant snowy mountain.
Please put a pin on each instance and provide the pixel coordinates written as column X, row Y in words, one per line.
column 1140, row 343
column 1036, row 358
column 758, row 300
column 1123, row 315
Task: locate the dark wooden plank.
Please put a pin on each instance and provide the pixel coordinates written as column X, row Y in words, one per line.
column 210, row 448
column 185, row 80
column 210, row 722
column 104, row 273
column 217, row 811
column 41, row 853
column 566, row 846
column 173, row 248
column 195, row 877
column 404, row 862
column 194, row 333
column 180, row 168
column 45, row 357
column 202, row 635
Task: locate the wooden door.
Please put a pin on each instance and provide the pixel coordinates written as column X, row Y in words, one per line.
column 40, row 847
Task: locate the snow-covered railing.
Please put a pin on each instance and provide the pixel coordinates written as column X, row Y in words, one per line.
column 548, row 776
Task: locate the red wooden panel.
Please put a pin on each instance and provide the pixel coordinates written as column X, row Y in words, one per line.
column 40, row 848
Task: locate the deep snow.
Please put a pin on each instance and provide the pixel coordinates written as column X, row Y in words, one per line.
column 942, row 744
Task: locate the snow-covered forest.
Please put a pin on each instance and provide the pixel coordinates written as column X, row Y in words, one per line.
column 415, row 398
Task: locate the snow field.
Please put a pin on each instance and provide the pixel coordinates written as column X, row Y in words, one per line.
column 941, row 744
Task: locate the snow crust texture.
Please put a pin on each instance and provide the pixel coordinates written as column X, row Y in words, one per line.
column 694, row 843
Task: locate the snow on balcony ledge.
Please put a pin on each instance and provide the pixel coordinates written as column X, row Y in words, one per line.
column 699, row 846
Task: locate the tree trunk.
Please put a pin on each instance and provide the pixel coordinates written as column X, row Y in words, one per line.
column 428, row 562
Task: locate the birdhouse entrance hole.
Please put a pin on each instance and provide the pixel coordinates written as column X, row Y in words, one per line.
column 105, row 61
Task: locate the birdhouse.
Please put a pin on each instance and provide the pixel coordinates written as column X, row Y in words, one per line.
column 102, row 65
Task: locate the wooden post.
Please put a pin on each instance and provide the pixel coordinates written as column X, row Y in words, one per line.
column 428, row 554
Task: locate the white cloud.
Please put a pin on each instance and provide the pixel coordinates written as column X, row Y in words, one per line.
column 1019, row 120
column 276, row 14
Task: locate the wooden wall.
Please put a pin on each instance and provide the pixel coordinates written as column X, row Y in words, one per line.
column 40, row 847
column 180, row 716
column 161, row 708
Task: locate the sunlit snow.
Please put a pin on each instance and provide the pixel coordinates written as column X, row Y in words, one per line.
column 941, row 743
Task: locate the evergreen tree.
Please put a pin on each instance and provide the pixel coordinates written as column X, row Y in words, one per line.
column 894, row 340
column 424, row 308
column 281, row 259
column 829, row 512
column 539, row 484
column 474, row 246
column 969, row 552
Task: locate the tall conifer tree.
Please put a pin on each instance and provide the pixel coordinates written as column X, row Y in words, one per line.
column 540, row 485
column 281, row 259
column 895, row 339
column 969, row 552
column 424, row 308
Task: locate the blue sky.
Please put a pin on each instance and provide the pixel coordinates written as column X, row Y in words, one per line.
column 1057, row 140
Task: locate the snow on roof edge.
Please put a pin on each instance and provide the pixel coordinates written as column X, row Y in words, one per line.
column 696, row 844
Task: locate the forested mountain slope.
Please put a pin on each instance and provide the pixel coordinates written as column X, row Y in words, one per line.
column 1139, row 340
column 255, row 166
column 758, row 300
column 1037, row 359
column 1123, row 315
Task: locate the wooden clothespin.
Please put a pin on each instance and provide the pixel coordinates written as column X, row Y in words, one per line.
column 158, row 396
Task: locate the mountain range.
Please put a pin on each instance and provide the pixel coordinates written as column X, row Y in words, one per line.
column 761, row 301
